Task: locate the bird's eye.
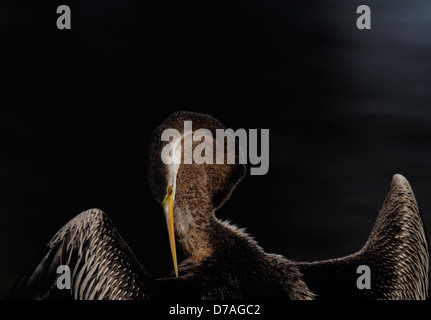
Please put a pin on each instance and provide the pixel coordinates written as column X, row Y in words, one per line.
column 170, row 190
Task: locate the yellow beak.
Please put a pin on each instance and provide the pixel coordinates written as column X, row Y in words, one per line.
column 168, row 208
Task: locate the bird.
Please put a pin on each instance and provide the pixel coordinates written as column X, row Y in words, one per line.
column 221, row 260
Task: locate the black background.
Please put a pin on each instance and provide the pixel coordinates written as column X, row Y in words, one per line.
column 346, row 109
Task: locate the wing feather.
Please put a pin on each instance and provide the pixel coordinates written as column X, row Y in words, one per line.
column 396, row 252
column 95, row 253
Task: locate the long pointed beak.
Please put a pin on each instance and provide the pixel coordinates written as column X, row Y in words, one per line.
column 168, row 208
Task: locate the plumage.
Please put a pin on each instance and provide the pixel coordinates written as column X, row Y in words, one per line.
column 222, row 261
column 397, row 253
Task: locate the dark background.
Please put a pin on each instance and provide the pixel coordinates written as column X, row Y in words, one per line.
column 346, row 109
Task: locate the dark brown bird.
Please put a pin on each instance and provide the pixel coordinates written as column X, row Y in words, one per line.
column 222, row 261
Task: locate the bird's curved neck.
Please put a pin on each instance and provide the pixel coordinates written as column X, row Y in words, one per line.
column 193, row 230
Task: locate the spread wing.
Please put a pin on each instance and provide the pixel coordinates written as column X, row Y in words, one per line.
column 90, row 253
column 396, row 253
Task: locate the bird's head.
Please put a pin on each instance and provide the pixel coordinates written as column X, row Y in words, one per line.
column 185, row 176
